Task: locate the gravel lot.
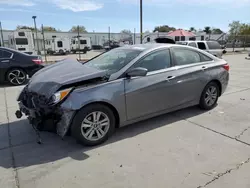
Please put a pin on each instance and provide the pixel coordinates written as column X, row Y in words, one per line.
column 188, row 148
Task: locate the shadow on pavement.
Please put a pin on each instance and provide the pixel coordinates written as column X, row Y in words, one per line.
column 28, row 153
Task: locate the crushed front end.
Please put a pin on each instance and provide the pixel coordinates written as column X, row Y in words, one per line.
column 43, row 114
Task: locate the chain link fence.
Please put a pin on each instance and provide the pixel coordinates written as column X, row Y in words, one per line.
column 238, row 43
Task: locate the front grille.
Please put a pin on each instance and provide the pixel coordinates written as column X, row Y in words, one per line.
column 34, row 100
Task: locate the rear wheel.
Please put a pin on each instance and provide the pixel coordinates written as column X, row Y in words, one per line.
column 209, row 96
column 93, row 124
column 16, row 77
column 61, row 52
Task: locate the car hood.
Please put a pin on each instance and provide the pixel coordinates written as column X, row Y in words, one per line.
column 49, row 79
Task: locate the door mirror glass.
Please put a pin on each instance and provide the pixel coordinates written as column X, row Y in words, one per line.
column 139, row 71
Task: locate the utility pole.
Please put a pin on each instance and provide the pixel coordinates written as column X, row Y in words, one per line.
column 78, row 36
column 1, row 29
column 134, row 35
column 141, row 25
column 37, row 41
column 44, row 45
column 109, row 37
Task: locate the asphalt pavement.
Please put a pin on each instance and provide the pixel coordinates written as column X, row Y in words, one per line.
column 189, row 148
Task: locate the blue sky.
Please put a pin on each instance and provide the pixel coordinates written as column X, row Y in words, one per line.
column 97, row 15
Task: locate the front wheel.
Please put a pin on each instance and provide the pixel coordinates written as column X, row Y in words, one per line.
column 93, row 124
column 16, row 77
column 209, row 96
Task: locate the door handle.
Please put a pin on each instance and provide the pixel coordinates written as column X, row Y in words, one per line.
column 5, row 61
column 170, row 78
column 203, row 68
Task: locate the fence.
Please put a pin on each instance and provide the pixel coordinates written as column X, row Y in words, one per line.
column 238, row 43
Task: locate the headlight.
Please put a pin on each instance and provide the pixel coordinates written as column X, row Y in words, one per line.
column 60, row 95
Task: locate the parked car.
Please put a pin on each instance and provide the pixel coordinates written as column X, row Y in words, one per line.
column 212, row 47
column 122, row 86
column 15, row 66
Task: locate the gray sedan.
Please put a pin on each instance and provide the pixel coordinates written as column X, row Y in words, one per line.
column 120, row 87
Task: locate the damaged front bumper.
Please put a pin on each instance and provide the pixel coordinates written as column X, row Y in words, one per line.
column 45, row 117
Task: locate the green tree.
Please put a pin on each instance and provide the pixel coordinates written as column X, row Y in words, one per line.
column 192, row 29
column 125, row 31
column 217, row 31
column 207, row 30
column 82, row 29
column 25, row 27
column 49, row 28
column 235, row 28
column 245, row 29
column 164, row 28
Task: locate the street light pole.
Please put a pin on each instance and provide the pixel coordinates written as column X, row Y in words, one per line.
column 38, row 51
column 141, row 26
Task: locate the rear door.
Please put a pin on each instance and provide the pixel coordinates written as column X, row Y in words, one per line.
column 5, row 62
column 190, row 65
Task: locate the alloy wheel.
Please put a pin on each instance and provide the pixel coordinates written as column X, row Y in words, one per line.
column 16, row 77
column 211, row 95
column 95, row 126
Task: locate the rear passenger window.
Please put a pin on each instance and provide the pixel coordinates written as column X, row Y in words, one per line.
column 205, row 58
column 155, row 61
column 193, row 44
column 202, row 46
column 6, row 54
column 185, row 56
column 213, row 45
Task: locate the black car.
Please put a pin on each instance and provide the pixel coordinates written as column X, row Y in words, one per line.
column 16, row 66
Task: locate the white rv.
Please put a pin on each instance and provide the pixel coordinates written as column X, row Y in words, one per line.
column 58, row 46
column 84, row 46
column 22, row 40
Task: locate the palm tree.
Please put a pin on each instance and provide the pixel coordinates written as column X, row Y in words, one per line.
column 207, row 30
column 192, row 29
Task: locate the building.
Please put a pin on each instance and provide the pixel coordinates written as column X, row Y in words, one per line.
column 101, row 38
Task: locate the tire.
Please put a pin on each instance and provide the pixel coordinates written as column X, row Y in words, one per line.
column 209, row 96
column 16, row 77
column 87, row 134
column 61, row 52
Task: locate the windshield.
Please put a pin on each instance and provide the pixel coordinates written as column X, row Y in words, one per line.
column 21, row 41
column 113, row 60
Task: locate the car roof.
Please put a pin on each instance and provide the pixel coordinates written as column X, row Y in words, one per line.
column 148, row 46
column 198, row 41
column 12, row 50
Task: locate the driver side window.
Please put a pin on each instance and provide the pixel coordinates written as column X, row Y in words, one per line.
column 155, row 61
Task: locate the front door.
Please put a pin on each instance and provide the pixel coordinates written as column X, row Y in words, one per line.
column 153, row 92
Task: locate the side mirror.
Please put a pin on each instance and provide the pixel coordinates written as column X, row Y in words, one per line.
column 139, row 71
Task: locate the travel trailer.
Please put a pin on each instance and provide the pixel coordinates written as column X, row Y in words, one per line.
column 57, row 46
column 84, row 46
column 22, row 40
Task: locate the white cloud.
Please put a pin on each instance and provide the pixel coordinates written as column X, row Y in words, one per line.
column 78, row 5
column 26, row 3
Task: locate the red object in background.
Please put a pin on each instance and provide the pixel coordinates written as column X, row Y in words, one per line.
column 180, row 33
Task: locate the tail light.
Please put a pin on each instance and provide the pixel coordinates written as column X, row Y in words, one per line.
column 37, row 61
column 226, row 67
